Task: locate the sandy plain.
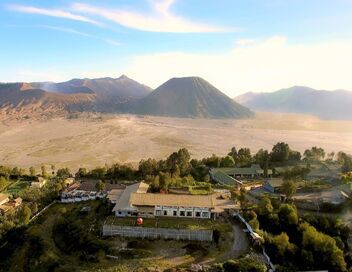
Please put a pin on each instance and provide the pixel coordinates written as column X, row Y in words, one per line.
column 95, row 140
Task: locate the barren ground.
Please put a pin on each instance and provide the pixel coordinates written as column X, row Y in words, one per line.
column 91, row 141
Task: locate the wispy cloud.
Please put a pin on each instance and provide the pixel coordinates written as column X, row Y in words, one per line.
column 76, row 32
column 161, row 19
column 112, row 42
column 66, row 30
column 53, row 13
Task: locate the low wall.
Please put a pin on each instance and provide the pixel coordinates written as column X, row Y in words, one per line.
column 158, row 233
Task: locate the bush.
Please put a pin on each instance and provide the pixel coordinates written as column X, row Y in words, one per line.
column 244, row 265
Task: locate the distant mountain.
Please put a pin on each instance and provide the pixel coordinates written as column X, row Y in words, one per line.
column 324, row 104
column 179, row 97
column 188, row 97
column 114, row 90
column 22, row 99
column 102, row 95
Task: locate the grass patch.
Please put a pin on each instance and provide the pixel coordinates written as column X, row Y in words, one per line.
column 16, row 187
column 174, row 223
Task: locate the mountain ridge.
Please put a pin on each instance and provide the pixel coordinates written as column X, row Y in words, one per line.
column 191, row 97
column 336, row 104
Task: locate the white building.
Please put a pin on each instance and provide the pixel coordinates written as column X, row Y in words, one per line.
column 135, row 201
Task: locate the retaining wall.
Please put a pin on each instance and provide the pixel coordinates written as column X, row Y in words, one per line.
column 158, row 233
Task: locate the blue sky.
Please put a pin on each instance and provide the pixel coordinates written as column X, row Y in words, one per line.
column 248, row 45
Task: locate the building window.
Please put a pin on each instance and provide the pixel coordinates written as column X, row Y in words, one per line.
column 189, row 213
column 158, row 213
column 165, row 212
column 175, row 213
column 205, row 214
column 197, row 214
column 182, row 213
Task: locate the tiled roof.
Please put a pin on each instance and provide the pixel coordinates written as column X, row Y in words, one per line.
column 172, row 200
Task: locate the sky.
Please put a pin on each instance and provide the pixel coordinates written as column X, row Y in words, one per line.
column 236, row 45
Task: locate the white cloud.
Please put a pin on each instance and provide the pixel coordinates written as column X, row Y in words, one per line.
column 266, row 65
column 160, row 20
column 53, row 13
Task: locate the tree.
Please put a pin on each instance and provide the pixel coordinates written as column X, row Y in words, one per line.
column 44, row 173
column 245, row 264
column 262, row 158
column 24, row 214
column 289, row 188
column 294, row 155
column 3, row 183
column 213, row 161
column 288, row 214
column 330, row 157
column 32, row 171
column 233, row 153
column 254, row 223
column 280, row 152
column 16, row 172
column 314, row 154
column 296, row 173
column 242, row 198
column 164, row 180
column 227, row 161
column 5, row 172
column 266, row 208
column 324, row 249
column 34, row 208
column 148, row 167
column 63, row 173
column 100, row 186
column 82, row 172
column 282, row 244
column 244, row 157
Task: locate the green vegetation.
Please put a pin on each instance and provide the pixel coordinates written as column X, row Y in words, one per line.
column 65, row 239
column 17, row 187
column 179, row 223
column 301, row 243
column 243, row 264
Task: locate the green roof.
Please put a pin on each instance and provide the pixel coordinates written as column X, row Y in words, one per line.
column 222, row 177
column 255, row 169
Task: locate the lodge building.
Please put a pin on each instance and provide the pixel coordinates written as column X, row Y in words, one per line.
column 135, row 201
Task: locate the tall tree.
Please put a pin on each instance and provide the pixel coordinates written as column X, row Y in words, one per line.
column 32, row 171
column 280, row 152
column 44, row 173
column 244, row 157
column 289, row 188
column 227, row 161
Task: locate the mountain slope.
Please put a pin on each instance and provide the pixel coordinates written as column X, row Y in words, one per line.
column 116, row 90
column 324, row 104
column 22, row 99
column 49, row 98
column 189, row 97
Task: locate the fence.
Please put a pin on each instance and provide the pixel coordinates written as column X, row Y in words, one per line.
column 156, row 233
